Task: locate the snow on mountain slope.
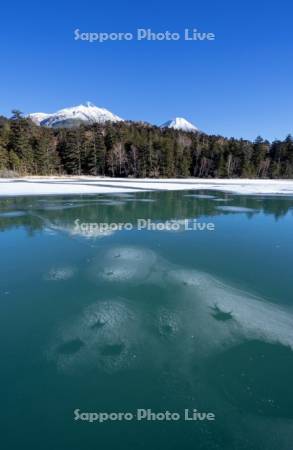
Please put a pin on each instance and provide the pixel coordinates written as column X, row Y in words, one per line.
column 37, row 118
column 69, row 117
column 179, row 123
column 89, row 114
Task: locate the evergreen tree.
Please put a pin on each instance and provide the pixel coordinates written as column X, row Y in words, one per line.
column 136, row 149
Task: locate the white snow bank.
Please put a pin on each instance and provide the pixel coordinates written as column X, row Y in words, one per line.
column 97, row 185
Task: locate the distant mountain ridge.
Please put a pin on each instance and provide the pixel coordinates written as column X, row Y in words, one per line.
column 89, row 114
column 74, row 116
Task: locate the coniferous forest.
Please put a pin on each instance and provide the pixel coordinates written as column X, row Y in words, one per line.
column 130, row 149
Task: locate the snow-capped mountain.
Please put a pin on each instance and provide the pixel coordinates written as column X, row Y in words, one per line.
column 179, row 123
column 89, row 114
column 37, row 118
column 74, row 116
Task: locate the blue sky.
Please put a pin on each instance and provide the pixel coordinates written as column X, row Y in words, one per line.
column 239, row 85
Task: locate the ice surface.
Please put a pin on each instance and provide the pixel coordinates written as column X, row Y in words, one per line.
column 103, row 336
column 96, row 185
column 181, row 311
column 60, row 273
column 124, row 264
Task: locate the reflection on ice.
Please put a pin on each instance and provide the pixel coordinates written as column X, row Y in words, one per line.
column 12, row 214
column 236, row 209
column 203, row 196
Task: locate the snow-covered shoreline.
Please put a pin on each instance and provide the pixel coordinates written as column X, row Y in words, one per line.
column 66, row 185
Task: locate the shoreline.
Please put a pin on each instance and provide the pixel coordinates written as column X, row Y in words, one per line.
column 86, row 185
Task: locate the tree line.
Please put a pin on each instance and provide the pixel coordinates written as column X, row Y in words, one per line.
column 130, row 149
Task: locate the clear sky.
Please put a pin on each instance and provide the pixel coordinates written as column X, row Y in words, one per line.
column 239, row 85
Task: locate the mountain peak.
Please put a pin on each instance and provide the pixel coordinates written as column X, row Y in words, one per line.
column 86, row 113
column 179, row 123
